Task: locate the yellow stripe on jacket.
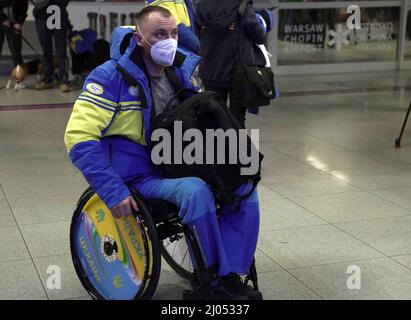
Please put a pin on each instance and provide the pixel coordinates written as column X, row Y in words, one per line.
column 90, row 119
column 86, row 123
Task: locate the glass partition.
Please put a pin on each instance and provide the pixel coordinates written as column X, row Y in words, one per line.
column 311, row 36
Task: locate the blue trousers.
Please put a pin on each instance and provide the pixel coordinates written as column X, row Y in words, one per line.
column 227, row 238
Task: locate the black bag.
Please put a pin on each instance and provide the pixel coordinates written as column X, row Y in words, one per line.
column 201, row 111
column 204, row 111
column 85, row 62
column 254, row 85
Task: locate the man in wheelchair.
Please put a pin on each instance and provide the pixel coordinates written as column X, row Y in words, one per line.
column 107, row 138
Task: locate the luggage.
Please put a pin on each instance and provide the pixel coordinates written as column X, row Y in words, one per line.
column 223, row 168
column 220, row 165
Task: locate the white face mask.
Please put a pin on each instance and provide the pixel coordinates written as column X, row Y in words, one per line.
column 162, row 52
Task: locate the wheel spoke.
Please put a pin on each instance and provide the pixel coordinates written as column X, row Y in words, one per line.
column 190, row 265
column 179, row 253
column 174, row 250
column 185, row 255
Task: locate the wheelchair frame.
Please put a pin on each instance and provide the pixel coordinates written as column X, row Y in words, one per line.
column 157, row 229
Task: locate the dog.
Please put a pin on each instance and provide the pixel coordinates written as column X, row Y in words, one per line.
column 20, row 72
column 18, row 75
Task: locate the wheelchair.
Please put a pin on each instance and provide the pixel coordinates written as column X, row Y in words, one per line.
column 120, row 259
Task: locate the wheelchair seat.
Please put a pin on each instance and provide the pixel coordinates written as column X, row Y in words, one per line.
column 161, row 210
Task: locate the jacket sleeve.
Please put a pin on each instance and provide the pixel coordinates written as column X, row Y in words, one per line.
column 252, row 26
column 92, row 113
column 188, row 38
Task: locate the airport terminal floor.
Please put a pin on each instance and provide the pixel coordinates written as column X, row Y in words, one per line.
column 335, row 194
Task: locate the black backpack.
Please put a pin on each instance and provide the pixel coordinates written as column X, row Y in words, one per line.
column 204, row 111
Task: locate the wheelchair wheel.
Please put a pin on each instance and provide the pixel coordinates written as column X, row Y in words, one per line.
column 175, row 252
column 115, row 259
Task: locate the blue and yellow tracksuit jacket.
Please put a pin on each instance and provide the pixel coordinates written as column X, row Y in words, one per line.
column 183, row 13
column 108, row 133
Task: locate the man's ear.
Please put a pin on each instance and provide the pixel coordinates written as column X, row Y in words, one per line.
column 138, row 38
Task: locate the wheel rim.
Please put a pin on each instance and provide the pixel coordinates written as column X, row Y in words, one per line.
column 177, row 248
column 111, row 255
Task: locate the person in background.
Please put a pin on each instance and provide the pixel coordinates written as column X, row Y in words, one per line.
column 47, row 37
column 226, row 38
column 12, row 16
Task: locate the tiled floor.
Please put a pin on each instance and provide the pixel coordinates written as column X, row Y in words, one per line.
column 335, row 192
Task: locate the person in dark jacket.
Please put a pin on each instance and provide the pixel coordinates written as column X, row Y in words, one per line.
column 46, row 38
column 12, row 16
column 226, row 37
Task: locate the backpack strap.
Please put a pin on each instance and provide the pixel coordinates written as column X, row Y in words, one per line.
column 181, row 91
column 174, row 79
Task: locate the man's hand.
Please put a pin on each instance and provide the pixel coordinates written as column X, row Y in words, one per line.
column 124, row 208
column 232, row 27
column 7, row 23
column 17, row 27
